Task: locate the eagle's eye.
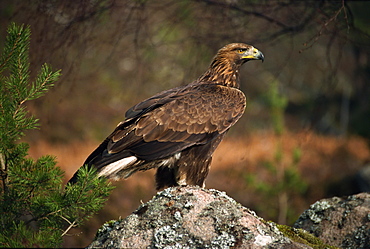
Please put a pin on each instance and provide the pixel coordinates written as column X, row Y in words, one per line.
column 241, row 50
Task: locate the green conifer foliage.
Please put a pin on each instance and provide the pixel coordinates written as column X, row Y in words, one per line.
column 35, row 209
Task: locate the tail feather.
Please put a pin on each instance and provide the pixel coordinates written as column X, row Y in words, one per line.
column 111, row 170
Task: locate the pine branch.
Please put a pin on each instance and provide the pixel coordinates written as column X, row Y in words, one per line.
column 12, row 43
column 31, row 191
column 42, row 84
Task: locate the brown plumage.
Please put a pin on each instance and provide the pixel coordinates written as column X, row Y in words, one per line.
column 177, row 131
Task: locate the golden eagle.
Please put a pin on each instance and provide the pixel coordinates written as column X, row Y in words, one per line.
column 177, row 131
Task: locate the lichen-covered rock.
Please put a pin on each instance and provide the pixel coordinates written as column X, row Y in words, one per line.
column 192, row 217
column 342, row 222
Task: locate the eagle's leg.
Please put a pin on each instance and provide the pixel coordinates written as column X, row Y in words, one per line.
column 165, row 177
column 191, row 168
column 183, row 174
column 194, row 173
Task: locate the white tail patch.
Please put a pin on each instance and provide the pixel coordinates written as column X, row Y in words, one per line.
column 113, row 168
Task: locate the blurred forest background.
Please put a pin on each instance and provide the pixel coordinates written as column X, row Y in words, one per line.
column 304, row 136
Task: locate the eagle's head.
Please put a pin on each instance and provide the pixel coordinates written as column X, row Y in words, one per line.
column 224, row 68
column 239, row 53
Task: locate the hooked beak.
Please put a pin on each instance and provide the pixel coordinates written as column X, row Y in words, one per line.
column 254, row 55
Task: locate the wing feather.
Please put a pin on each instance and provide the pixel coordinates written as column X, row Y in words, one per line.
column 177, row 119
